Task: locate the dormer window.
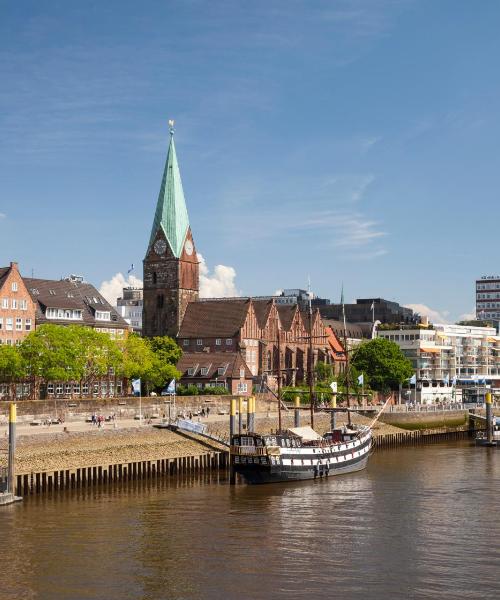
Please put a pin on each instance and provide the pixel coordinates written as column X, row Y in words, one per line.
column 68, row 314
column 191, row 371
column 221, row 370
column 103, row 315
column 204, row 370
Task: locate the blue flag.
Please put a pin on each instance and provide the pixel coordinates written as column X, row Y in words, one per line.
column 136, row 387
column 171, row 387
column 413, row 379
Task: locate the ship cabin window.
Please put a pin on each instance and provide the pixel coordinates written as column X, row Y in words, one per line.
column 247, row 441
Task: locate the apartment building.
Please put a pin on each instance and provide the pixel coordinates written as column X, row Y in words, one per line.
column 17, row 309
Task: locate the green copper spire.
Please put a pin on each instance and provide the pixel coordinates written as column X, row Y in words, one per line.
column 171, row 212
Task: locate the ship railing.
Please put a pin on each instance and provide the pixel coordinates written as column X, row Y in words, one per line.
column 246, row 450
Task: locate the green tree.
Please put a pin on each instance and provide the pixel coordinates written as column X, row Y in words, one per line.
column 383, row 364
column 12, row 366
column 165, row 355
column 323, row 372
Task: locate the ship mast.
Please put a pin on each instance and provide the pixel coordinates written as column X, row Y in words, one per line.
column 310, row 360
column 346, row 350
column 278, row 333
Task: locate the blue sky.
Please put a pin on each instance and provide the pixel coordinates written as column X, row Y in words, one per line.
column 352, row 141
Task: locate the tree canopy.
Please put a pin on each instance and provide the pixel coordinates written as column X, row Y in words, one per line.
column 76, row 353
column 383, row 364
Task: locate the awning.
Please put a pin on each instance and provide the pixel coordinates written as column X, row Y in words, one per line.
column 492, row 339
column 306, row 433
column 431, row 350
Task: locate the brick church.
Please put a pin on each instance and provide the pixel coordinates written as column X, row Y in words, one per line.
column 265, row 339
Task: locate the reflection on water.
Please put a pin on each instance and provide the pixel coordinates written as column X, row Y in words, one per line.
column 417, row 523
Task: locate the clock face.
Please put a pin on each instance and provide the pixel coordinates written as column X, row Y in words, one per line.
column 160, row 246
column 188, row 246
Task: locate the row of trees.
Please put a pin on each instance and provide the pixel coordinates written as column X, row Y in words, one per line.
column 81, row 354
column 381, row 362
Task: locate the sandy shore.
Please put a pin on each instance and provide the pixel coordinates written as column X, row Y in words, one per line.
column 50, row 452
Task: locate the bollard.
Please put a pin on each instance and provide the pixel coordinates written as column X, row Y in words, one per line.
column 333, row 405
column 232, row 418
column 489, row 418
column 249, row 414
column 12, row 448
column 240, row 415
column 297, row 411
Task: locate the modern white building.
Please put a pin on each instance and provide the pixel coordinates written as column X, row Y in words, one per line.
column 129, row 307
column 488, row 298
column 442, row 354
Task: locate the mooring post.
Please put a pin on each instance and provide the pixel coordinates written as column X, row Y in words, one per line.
column 12, row 448
column 249, row 414
column 333, row 414
column 489, row 418
column 232, row 431
column 240, row 415
column 297, row 412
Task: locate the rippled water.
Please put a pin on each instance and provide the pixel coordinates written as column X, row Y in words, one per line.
column 417, row 523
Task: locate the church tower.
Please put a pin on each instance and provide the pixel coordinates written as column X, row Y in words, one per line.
column 171, row 274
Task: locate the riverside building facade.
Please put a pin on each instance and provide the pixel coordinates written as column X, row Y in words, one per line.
column 449, row 358
column 17, row 308
column 488, row 299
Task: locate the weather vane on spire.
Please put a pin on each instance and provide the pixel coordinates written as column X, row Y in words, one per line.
column 171, row 125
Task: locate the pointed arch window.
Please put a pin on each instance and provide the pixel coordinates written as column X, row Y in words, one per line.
column 155, row 278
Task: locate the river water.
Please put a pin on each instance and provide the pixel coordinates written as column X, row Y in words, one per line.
column 417, row 523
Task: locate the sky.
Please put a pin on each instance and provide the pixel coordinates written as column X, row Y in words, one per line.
column 349, row 142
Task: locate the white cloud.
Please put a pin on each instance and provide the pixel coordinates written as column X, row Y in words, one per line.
column 220, row 284
column 435, row 316
column 3, row 216
column 113, row 288
column 470, row 316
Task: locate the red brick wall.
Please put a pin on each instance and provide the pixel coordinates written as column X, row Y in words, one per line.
column 12, row 298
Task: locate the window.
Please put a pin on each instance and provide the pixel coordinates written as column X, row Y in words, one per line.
column 160, row 301
column 1, row 322
column 218, row 342
column 50, row 388
column 13, row 287
column 229, row 342
column 23, row 304
column 19, row 324
column 85, row 389
column 191, row 371
column 5, row 303
column 242, row 373
column 204, row 370
column 8, row 323
column 101, row 315
column 242, row 387
column 199, row 342
column 76, row 388
column 67, row 388
column 59, row 388
column 27, row 324
column 221, row 370
column 13, row 303
column 185, row 342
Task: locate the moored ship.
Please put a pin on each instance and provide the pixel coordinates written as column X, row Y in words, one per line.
column 300, row 453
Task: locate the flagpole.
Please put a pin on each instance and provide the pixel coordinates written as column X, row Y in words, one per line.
column 140, row 406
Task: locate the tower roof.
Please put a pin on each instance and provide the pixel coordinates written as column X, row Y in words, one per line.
column 171, row 213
